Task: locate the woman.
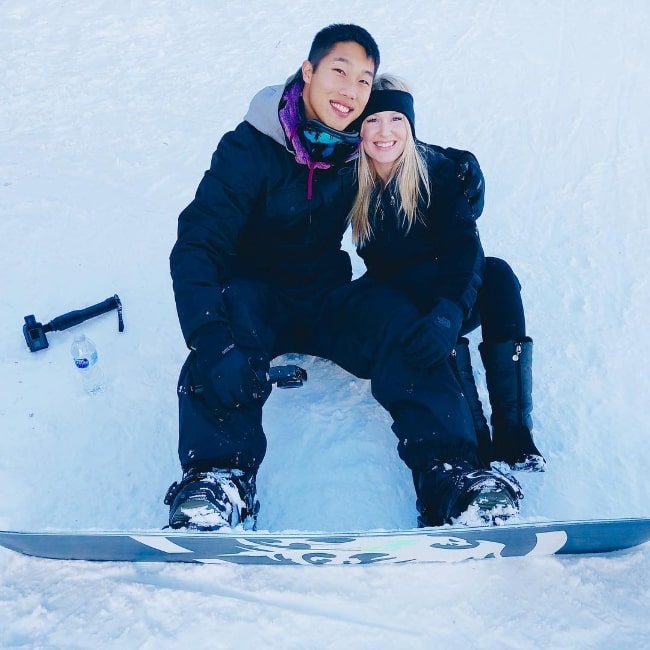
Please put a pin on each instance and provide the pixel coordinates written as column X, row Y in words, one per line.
column 400, row 235
column 399, row 324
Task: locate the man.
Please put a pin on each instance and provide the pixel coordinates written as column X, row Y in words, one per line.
column 258, row 271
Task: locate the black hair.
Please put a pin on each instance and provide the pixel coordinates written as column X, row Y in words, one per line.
column 329, row 36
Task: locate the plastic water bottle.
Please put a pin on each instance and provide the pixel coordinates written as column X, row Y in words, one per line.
column 84, row 353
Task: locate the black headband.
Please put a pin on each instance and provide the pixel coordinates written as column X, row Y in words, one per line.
column 391, row 100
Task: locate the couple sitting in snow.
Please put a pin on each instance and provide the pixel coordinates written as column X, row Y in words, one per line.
column 258, row 271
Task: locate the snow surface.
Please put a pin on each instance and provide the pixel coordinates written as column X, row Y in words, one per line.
column 109, row 114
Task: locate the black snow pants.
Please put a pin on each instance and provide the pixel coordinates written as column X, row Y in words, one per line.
column 357, row 326
column 499, row 309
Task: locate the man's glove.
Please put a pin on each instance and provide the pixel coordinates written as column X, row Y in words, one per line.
column 469, row 172
column 430, row 340
column 222, row 374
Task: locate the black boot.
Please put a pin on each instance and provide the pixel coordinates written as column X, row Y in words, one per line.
column 211, row 500
column 448, row 490
column 509, row 378
column 465, row 375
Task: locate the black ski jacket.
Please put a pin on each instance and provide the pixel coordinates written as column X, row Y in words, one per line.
column 441, row 255
column 252, row 218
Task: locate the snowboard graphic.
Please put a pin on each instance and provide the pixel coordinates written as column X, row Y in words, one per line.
column 444, row 544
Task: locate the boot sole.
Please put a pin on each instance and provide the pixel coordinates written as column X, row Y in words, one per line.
column 532, row 463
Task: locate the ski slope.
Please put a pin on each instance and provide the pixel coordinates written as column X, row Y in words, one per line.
column 110, row 114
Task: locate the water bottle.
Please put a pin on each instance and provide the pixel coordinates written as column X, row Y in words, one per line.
column 84, row 353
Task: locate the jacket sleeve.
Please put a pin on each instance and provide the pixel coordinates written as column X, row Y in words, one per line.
column 208, row 229
column 470, row 174
column 460, row 254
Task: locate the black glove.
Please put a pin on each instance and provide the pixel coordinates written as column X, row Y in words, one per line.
column 222, row 374
column 430, row 340
column 469, row 172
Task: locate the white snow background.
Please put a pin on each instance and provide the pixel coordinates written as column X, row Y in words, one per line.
column 109, row 113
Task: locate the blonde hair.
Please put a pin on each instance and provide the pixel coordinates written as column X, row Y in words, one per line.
column 409, row 172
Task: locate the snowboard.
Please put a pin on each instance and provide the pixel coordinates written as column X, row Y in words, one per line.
column 443, row 544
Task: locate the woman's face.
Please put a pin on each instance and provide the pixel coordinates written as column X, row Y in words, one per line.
column 384, row 138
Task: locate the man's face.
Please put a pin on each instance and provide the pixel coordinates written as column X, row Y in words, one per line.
column 337, row 91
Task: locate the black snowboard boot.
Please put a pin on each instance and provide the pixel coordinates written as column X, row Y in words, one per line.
column 213, row 500
column 448, row 490
column 465, row 376
column 509, row 379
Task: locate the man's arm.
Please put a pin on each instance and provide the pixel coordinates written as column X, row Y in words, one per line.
column 469, row 173
column 208, row 229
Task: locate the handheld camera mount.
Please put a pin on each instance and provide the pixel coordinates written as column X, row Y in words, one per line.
column 35, row 332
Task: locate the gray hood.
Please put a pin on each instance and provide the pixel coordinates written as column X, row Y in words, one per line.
column 263, row 113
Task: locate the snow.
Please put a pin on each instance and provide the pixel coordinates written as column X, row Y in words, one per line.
column 109, row 115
